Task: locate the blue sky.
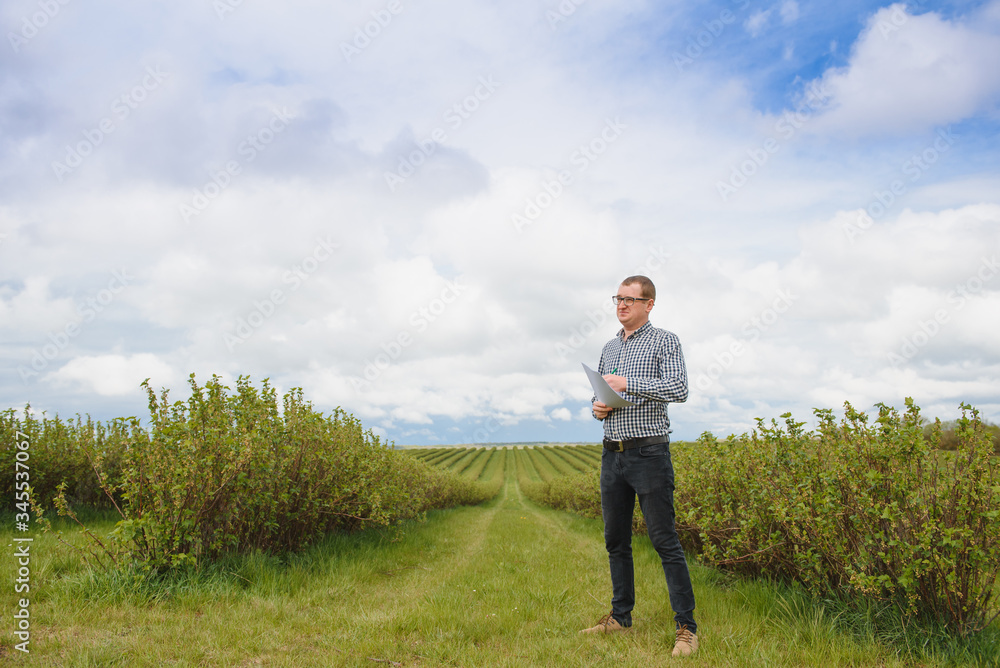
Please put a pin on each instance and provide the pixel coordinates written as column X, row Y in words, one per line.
column 419, row 213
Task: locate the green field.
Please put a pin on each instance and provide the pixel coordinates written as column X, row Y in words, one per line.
column 507, row 583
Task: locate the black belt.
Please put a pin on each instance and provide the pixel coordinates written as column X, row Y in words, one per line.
column 629, row 443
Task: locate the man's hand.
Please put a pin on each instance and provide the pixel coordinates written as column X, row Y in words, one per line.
column 617, row 383
column 601, row 410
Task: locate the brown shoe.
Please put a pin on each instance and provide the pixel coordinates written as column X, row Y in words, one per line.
column 606, row 624
column 686, row 644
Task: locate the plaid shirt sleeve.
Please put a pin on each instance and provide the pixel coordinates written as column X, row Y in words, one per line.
column 653, row 363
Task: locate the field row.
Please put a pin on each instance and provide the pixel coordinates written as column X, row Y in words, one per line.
column 532, row 463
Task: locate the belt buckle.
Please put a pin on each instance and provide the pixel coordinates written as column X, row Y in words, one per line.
column 621, row 446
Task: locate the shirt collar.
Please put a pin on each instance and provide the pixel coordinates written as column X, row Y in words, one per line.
column 639, row 332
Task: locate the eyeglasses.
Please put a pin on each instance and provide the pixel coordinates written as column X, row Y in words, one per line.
column 630, row 300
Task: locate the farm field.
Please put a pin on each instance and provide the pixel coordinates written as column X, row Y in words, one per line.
column 507, row 583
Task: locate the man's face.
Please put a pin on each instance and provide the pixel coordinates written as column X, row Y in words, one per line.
column 635, row 316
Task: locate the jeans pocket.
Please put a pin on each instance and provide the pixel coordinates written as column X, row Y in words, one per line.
column 655, row 450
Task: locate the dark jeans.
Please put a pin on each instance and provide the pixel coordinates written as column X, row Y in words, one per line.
column 648, row 473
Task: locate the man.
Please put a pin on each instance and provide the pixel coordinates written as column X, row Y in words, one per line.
column 647, row 364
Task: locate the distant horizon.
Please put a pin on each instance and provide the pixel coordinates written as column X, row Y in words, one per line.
column 495, row 444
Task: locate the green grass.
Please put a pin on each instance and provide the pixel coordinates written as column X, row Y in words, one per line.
column 496, row 466
column 460, row 464
column 452, row 457
column 546, row 471
column 576, row 464
column 583, row 459
column 427, row 455
column 559, row 465
column 475, row 470
column 525, row 467
column 508, row 583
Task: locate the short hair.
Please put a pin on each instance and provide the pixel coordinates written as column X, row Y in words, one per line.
column 646, row 287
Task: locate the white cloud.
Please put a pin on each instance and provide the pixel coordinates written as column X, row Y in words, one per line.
column 561, row 413
column 756, row 22
column 816, row 328
column 241, row 288
column 33, row 309
column 907, row 73
column 871, row 321
column 115, row 374
column 789, row 12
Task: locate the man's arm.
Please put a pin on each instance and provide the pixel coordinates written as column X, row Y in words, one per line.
column 672, row 385
column 598, row 409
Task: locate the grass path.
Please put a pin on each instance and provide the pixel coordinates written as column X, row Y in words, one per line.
column 504, row 584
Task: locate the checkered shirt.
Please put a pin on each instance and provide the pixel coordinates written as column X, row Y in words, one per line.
column 652, row 361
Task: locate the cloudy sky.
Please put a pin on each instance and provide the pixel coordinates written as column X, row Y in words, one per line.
column 418, row 211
